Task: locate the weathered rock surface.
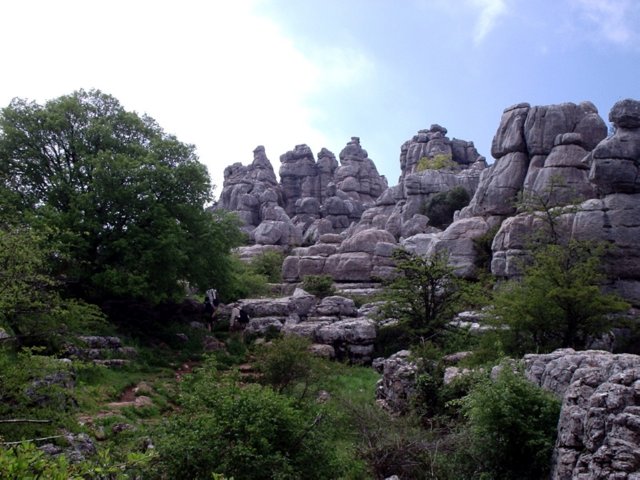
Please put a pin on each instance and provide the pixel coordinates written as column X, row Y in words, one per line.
column 599, row 426
column 398, row 383
column 526, row 138
column 333, row 321
column 613, row 218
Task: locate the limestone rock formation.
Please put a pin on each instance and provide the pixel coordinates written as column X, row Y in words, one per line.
column 363, row 251
column 333, row 321
column 613, row 218
column 524, row 147
column 599, row 426
column 398, row 383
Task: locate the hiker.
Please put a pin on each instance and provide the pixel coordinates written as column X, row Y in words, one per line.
column 239, row 318
column 211, row 303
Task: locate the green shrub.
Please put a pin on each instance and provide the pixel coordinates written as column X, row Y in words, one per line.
column 244, row 283
column 319, row 285
column 34, row 387
column 269, row 265
column 247, row 432
column 25, row 461
column 437, row 162
column 512, row 424
column 287, row 362
column 441, row 206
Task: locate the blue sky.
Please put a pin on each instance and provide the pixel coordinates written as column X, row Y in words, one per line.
column 228, row 76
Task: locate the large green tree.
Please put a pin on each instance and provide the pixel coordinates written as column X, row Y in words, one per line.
column 121, row 200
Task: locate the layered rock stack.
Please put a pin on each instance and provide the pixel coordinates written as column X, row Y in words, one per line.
column 362, row 253
column 523, row 146
column 254, row 194
column 611, row 216
column 336, row 327
column 313, row 197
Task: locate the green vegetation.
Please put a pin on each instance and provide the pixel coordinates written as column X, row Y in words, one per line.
column 558, row 302
column 441, row 206
column 512, row 426
column 245, row 431
column 25, row 461
column 319, row 285
column 269, row 264
column 120, row 201
column 32, row 310
column 104, row 229
column 424, row 294
column 439, row 161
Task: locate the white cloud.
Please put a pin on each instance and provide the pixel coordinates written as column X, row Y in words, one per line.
column 489, row 13
column 615, row 21
column 215, row 74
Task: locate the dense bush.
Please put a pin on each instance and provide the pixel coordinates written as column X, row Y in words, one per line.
column 512, row 427
column 244, row 282
column 558, row 303
column 287, row 362
column 319, row 285
column 241, row 431
column 269, row 265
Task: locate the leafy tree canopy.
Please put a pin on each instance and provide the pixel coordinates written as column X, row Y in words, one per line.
column 121, row 200
column 425, row 293
column 558, row 302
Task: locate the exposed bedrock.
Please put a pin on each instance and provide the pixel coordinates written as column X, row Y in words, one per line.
column 538, row 150
column 332, row 321
column 613, row 218
column 599, row 425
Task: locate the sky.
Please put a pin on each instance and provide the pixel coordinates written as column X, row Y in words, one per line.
column 228, row 76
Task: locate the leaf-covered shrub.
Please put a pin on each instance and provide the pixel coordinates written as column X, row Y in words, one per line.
column 319, row 285
column 25, row 461
column 287, row 362
column 512, row 424
column 437, row 162
column 269, row 265
column 441, row 207
column 241, row 431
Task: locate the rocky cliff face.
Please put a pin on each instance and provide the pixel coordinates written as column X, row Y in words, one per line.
column 599, row 426
column 611, row 211
column 558, row 155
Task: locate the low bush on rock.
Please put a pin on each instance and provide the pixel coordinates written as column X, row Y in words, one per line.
column 437, row 162
column 319, row 285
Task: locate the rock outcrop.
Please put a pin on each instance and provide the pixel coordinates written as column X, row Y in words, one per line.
column 333, row 321
column 611, row 215
column 554, row 155
column 599, row 426
column 362, row 253
column 397, row 386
